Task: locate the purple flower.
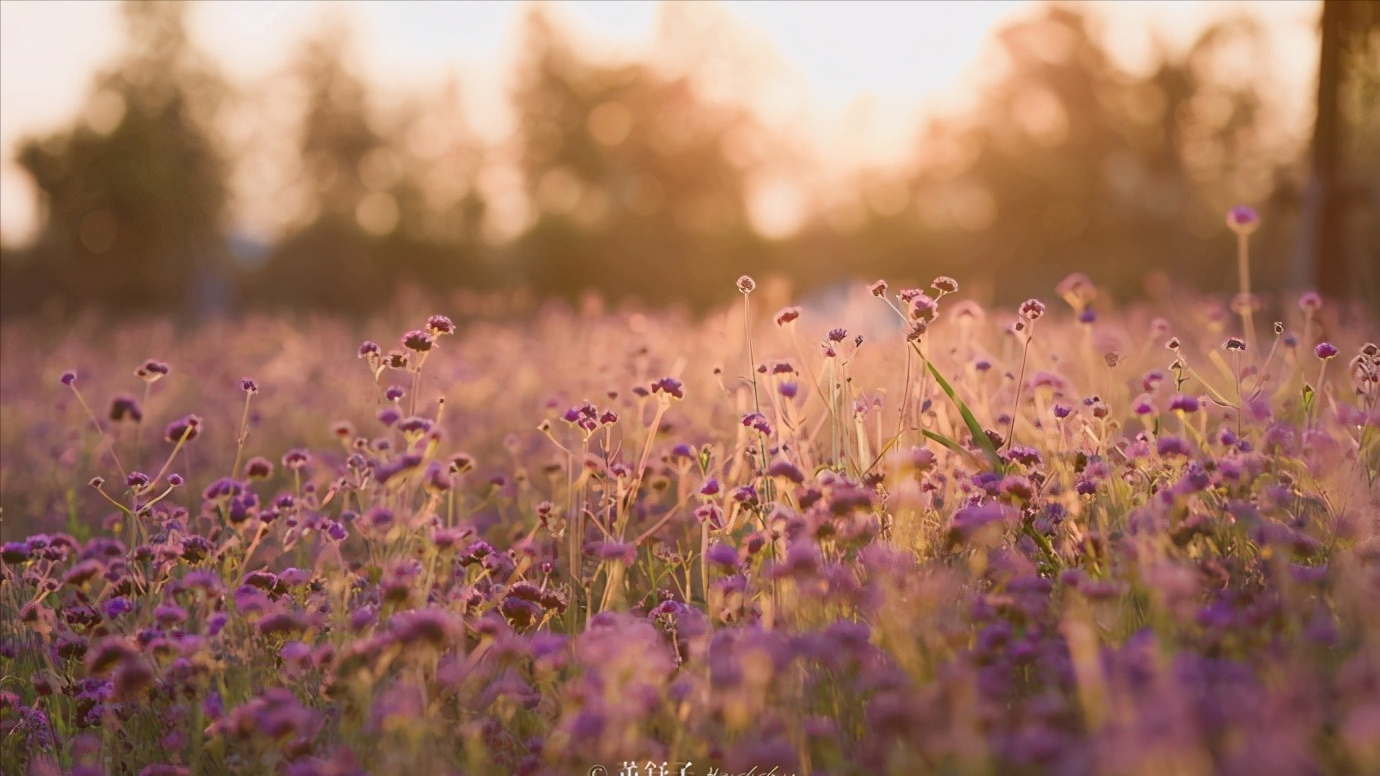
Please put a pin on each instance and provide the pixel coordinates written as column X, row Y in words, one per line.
column 1325, row 350
column 282, row 622
column 1183, row 403
column 68, row 378
column 1021, row 454
column 379, row 518
column 669, row 386
column 746, row 284
column 14, row 552
column 1168, row 446
column 786, row 315
column 711, row 515
column 433, row 627
column 258, row 468
column 786, row 469
column 923, row 308
column 116, row 606
column 969, row 519
column 1242, row 219
column 414, row 425
column 169, row 614
column 404, row 463
column 878, row 288
column 1018, row 486
column 183, row 430
column 1032, row 309
column 222, row 488
column 758, row 421
column 82, row 573
column 369, row 348
column 721, row 554
column 418, row 340
column 440, row 324
column 125, row 406
column 152, row 371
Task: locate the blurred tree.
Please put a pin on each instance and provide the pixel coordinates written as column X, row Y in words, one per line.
column 133, row 194
column 330, row 261
column 1069, row 163
column 387, row 205
column 1340, row 252
column 626, row 169
column 440, row 242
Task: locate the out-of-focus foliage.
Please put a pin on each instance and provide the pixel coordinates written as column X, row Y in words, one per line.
column 134, row 192
column 1079, row 548
column 1070, row 162
column 633, row 180
column 372, row 223
column 626, row 168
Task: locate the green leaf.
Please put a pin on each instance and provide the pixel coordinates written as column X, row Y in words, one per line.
column 980, row 437
column 949, row 443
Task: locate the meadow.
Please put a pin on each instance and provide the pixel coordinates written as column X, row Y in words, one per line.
column 904, row 535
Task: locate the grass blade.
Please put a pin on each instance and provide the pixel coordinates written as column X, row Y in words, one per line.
column 979, row 434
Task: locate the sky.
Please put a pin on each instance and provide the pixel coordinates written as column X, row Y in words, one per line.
column 866, row 68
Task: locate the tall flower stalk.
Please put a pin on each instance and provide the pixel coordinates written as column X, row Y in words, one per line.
column 1243, row 220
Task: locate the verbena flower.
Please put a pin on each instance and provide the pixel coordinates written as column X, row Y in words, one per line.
column 1183, row 403
column 1243, row 219
column 439, row 325
column 183, row 429
column 152, row 371
column 258, row 468
column 418, row 340
column 1032, row 309
column 123, row 406
column 669, row 386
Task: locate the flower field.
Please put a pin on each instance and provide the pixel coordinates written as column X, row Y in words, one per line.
column 903, row 535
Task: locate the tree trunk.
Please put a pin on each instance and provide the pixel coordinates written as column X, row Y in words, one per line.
column 1323, row 260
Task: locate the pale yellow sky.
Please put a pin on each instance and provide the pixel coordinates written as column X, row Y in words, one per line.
column 864, row 71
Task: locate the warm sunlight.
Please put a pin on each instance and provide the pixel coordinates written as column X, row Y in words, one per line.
column 693, row 387
column 856, row 77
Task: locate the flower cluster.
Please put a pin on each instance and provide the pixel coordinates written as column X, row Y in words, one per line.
column 946, row 551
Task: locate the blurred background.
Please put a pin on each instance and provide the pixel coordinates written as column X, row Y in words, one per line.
column 204, row 159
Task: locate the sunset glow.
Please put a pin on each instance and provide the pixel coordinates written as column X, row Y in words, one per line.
column 853, row 79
